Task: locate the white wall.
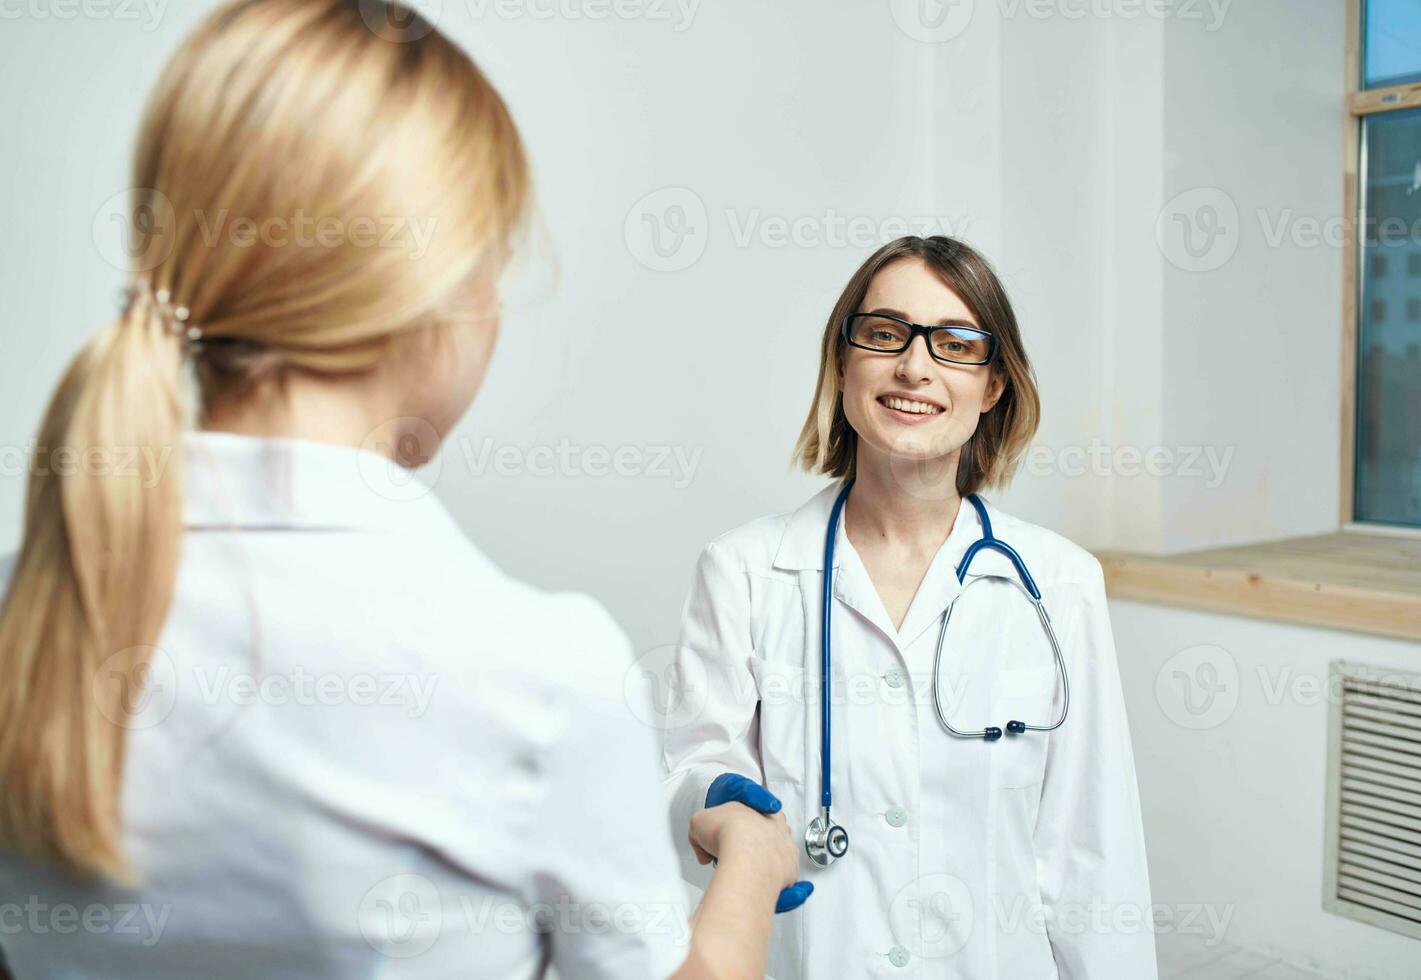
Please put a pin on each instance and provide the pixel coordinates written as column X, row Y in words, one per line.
column 765, row 115
column 1052, row 142
column 1233, row 784
column 1253, row 117
column 759, row 119
column 1218, row 355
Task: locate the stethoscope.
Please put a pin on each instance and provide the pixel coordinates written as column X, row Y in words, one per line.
column 826, row 841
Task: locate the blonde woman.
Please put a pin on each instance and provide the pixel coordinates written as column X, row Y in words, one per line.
column 264, row 710
column 977, row 815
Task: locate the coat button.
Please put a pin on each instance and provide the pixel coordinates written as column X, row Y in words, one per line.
column 896, row 816
column 899, row 956
column 895, row 678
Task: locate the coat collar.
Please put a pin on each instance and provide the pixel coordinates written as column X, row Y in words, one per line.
column 801, row 549
column 240, row 481
column 802, row 544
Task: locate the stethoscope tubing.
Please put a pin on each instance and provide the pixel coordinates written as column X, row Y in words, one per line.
column 1055, row 650
column 826, row 841
column 826, row 795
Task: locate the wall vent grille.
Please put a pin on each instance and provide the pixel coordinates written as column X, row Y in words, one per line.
column 1373, row 844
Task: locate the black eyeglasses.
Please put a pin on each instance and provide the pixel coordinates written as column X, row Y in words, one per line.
column 952, row 343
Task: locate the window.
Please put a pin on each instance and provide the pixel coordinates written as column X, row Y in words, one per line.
column 1391, row 55
column 1358, row 581
column 1382, row 461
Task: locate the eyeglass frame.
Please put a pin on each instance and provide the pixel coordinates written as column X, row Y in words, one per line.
column 926, row 332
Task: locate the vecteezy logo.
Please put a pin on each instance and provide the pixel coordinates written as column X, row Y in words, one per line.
column 666, row 230
column 1198, row 231
column 1198, row 687
column 402, row 916
column 134, row 231
column 936, row 911
column 932, row 21
column 665, row 688
column 402, row 22
column 136, row 687
column 393, row 451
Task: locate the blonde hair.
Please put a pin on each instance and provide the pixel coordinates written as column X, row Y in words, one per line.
column 270, row 110
column 828, row 444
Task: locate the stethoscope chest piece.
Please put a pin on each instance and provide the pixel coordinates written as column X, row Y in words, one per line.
column 825, row 841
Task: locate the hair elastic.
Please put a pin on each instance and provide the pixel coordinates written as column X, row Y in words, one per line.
column 176, row 318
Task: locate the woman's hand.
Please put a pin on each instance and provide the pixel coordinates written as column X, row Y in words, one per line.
column 756, row 857
column 732, row 787
column 761, row 841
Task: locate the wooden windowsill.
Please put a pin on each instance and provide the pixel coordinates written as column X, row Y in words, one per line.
column 1349, row 580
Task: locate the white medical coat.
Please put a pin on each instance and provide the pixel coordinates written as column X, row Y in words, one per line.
column 1020, row 859
column 365, row 751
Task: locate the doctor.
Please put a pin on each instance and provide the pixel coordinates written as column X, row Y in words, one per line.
column 1020, row 856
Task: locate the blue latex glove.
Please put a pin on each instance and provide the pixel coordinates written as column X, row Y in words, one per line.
column 733, row 788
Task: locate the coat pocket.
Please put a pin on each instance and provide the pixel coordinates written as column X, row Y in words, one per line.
column 785, row 701
column 1026, row 695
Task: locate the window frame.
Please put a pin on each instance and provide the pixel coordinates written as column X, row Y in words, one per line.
column 1361, row 103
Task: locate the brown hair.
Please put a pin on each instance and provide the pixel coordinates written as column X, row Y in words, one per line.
column 269, row 110
column 827, row 444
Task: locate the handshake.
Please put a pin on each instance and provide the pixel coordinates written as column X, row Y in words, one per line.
column 733, row 788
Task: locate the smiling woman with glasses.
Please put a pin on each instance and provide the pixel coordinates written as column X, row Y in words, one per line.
column 881, row 666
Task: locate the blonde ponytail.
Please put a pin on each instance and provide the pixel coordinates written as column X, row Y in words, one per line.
column 102, row 516
column 270, row 110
